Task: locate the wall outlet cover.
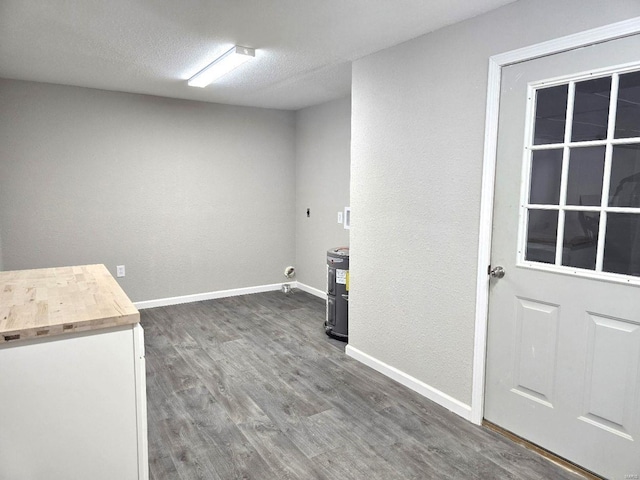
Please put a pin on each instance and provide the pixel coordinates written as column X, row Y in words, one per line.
column 120, row 271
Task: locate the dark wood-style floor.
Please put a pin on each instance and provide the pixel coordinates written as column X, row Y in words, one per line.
column 250, row 387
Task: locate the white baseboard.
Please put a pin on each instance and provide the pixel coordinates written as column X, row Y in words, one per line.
column 198, row 297
column 311, row 290
column 441, row 398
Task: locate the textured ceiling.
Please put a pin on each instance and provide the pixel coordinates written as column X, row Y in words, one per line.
column 304, row 48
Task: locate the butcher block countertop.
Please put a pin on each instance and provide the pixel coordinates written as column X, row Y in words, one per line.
column 55, row 301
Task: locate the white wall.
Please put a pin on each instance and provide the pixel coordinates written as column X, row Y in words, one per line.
column 417, row 145
column 191, row 197
column 323, row 155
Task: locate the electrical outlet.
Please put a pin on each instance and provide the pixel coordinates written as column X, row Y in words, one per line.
column 339, row 217
column 120, row 271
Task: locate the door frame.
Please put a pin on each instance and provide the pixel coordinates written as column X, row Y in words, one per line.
column 496, row 63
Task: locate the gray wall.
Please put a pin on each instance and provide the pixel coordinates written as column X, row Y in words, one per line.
column 323, row 143
column 417, row 144
column 191, row 197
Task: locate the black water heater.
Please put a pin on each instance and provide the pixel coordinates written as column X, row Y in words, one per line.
column 337, row 321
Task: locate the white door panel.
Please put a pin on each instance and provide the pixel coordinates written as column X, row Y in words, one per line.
column 563, row 348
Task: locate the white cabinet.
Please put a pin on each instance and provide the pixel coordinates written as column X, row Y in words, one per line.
column 73, row 406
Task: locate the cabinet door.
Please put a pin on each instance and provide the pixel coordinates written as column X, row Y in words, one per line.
column 69, row 407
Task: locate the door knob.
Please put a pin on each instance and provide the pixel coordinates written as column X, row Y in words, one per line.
column 497, row 272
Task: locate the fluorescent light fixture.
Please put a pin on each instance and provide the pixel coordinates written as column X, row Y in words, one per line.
column 221, row 66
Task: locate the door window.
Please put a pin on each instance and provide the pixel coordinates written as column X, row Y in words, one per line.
column 581, row 198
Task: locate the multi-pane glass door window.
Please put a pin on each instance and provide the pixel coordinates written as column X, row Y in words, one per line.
column 581, row 203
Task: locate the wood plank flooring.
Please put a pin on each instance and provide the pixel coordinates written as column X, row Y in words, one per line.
column 250, row 387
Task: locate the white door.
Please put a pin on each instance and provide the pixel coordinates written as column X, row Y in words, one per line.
column 563, row 352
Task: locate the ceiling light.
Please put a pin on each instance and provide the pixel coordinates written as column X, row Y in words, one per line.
column 221, row 66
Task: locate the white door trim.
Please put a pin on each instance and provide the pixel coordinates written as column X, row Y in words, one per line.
column 496, row 63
